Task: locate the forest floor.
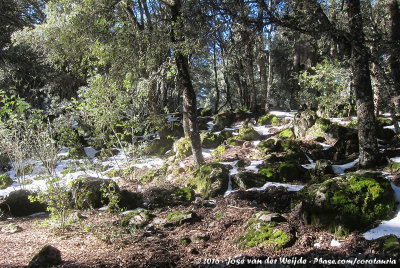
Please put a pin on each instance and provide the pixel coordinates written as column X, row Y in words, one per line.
column 207, row 240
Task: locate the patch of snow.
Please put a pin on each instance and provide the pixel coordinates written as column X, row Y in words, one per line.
column 256, row 143
column 234, row 170
column 395, row 159
column 254, row 165
column 311, row 165
column 339, row 169
column 325, row 146
column 210, row 125
column 289, row 187
column 207, row 152
column 149, row 162
column 335, row 243
column 317, row 245
column 171, row 119
column 387, row 227
column 283, row 114
column 37, row 214
column 103, row 208
column 132, row 210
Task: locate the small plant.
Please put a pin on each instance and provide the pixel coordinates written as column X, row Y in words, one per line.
column 110, row 193
column 58, row 202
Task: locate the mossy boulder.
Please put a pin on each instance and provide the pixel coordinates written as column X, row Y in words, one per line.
column 87, row 192
column 223, row 120
column 5, row 181
column 346, row 203
column 18, row 204
column 264, row 229
column 211, row 140
column 270, row 145
column 48, row 256
column 182, row 148
column 180, row 217
column 158, row 197
column 136, row 219
column 210, row 179
column 322, row 171
column 160, row 146
column 319, row 128
column 234, row 141
column 268, row 119
column 390, row 246
column 287, row 133
column 248, row 133
column 303, row 121
column 284, row 172
column 248, row 179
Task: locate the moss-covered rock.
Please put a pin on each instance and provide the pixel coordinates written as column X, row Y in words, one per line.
column 183, row 148
column 211, row 140
column 322, row 171
column 343, row 204
column 303, row 121
column 130, row 200
column 210, row 179
column 264, row 229
column 268, row 119
column 136, row 219
column 390, row 246
column 248, row 133
column 234, row 142
column 160, row 146
column 87, row 192
column 5, row 181
column 248, row 179
column 287, row 133
column 48, row 256
column 4, row 162
column 283, row 172
column 158, row 197
column 183, row 194
column 180, row 217
column 270, row 145
column 319, row 128
column 18, row 204
column 223, row 120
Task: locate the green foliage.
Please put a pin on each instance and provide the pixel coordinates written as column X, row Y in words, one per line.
column 211, row 140
column 58, row 200
column 219, row 152
column 110, row 193
column 328, row 86
column 5, row 181
column 183, row 148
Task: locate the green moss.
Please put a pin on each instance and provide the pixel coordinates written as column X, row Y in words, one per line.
column 319, row 128
column 357, row 199
column 5, row 181
column 248, row 133
column 137, row 218
column 383, row 121
column 183, row 148
column 233, row 142
column 287, row 133
column 260, row 233
column 219, row 214
column 289, row 171
column 268, row 119
column 269, row 145
column 184, row 194
column 391, row 246
column 179, row 217
column 210, row 179
column 160, row 146
column 211, row 140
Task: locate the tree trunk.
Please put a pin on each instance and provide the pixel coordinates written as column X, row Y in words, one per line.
column 368, row 146
column 216, row 105
column 269, row 80
column 395, row 48
column 189, row 96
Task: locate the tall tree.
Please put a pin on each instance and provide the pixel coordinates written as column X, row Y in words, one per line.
column 189, row 95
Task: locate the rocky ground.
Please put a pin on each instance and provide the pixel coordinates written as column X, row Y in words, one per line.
column 183, row 229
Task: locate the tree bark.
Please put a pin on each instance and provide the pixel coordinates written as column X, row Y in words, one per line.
column 216, row 104
column 189, row 95
column 368, row 146
column 395, row 49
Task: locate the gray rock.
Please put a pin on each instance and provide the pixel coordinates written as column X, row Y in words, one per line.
column 48, row 256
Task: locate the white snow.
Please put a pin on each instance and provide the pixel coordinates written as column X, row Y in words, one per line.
column 289, row 187
column 283, row 114
column 311, row 165
column 234, row 170
column 254, row 165
column 395, row 159
column 335, row 243
column 339, row 169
